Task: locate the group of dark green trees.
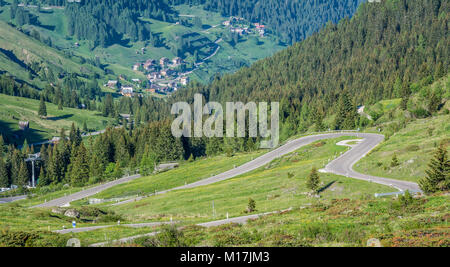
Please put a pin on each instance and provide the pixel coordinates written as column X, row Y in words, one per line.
column 72, row 161
column 292, row 20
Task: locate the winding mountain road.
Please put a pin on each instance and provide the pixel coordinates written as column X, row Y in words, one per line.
column 343, row 165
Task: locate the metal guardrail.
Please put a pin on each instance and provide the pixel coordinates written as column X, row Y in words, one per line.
column 413, row 192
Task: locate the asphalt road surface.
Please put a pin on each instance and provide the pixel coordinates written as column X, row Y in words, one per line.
column 344, row 164
column 11, row 199
column 239, row 220
column 93, row 228
column 85, row 193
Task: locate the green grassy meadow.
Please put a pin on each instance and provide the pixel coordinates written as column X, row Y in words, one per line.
column 414, row 147
column 15, row 109
column 188, row 172
column 271, row 187
column 337, row 223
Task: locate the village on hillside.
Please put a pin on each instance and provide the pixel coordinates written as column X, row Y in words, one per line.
column 165, row 76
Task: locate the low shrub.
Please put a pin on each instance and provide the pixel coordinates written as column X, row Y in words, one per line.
column 31, row 239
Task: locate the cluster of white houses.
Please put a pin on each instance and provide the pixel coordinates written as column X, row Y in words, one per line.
column 235, row 25
column 162, row 77
column 151, row 64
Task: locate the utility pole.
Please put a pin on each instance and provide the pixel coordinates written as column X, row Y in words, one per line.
column 33, row 158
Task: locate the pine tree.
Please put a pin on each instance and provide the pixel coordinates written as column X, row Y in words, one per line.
column 42, row 112
column 54, row 170
column 434, row 102
column 251, row 207
column 346, row 116
column 313, row 180
column 148, row 162
column 4, row 178
column 394, row 161
column 16, row 160
column 438, row 173
column 25, row 147
column 405, row 94
column 122, row 154
column 96, row 169
column 319, row 121
column 23, row 175
column 43, row 179
column 75, row 135
column 80, row 167
column 117, row 171
column 2, row 145
column 85, row 128
column 108, row 107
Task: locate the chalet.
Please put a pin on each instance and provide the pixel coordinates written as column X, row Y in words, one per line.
column 163, row 61
column 167, row 72
column 137, row 66
column 55, row 140
column 154, row 76
column 184, row 80
column 127, row 91
column 226, row 23
column 177, row 61
column 112, row 84
column 149, row 64
column 126, row 116
column 24, row 125
column 136, row 80
column 261, row 31
column 238, row 30
column 259, row 26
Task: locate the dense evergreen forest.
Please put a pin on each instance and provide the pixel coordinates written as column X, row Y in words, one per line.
column 105, row 22
column 292, row 20
column 378, row 54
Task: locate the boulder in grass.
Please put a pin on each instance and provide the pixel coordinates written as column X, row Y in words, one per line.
column 71, row 213
column 58, row 211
